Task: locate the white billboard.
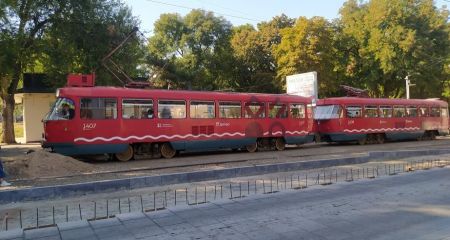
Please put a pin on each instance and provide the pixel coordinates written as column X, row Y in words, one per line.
column 304, row 84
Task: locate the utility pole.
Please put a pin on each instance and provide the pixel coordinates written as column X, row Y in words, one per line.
column 408, row 84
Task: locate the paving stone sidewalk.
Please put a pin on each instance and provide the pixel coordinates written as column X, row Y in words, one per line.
column 406, row 206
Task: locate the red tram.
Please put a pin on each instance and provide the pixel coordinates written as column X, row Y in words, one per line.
column 369, row 120
column 128, row 122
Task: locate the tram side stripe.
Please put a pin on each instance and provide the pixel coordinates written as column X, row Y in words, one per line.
column 381, row 129
column 179, row 136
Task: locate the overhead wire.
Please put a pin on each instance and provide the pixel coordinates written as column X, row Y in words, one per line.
column 218, row 13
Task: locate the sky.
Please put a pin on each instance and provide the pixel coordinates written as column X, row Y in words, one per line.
column 238, row 12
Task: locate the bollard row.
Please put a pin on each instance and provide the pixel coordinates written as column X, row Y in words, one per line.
column 159, row 200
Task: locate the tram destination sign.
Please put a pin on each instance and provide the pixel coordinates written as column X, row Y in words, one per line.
column 303, row 84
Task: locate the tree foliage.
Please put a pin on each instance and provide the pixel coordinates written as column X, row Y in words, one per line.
column 395, row 39
column 255, row 67
column 309, row 46
column 60, row 36
column 192, row 51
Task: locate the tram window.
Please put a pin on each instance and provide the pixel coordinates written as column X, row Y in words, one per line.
column 229, row 109
column 200, row 109
column 411, row 111
column 98, row 108
column 327, row 112
column 254, row 110
column 444, row 112
column 399, row 111
column 277, row 110
column 423, row 111
column 137, row 108
column 435, row 112
column 297, row 110
column 385, row 111
column 171, row 109
column 63, row 109
column 354, row 111
column 370, row 111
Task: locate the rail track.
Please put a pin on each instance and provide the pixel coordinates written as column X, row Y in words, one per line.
column 227, row 159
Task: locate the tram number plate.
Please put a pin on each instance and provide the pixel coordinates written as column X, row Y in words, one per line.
column 89, row 126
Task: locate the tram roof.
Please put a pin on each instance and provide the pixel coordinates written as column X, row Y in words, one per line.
column 171, row 94
column 381, row 101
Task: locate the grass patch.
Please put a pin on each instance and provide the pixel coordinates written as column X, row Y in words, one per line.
column 18, row 130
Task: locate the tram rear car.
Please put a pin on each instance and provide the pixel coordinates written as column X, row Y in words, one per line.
column 368, row 120
column 130, row 122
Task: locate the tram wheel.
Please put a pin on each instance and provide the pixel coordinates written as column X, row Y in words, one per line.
column 126, row 155
column 252, row 147
column 167, row 151
column 362, row 141
column 432, row 135
column 280, row 144
column 380, row 138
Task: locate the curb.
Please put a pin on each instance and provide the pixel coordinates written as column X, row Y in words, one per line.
column 79, row 189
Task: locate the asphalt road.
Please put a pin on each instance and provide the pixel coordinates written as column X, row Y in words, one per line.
column 406, row 206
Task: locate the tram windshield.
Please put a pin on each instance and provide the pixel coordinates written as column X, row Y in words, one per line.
column 327, row 112
column 63, row 109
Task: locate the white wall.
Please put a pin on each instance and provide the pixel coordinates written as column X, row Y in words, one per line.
column 35, row 107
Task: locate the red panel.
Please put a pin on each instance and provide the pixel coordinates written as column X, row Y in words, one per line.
column 76, row 80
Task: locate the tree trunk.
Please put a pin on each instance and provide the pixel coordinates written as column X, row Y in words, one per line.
column 8, row 118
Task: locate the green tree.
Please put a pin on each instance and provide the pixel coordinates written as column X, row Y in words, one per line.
column 395, row 39
column 255, row 66
column 309, row 46
column 62, row 36
column 191, row 52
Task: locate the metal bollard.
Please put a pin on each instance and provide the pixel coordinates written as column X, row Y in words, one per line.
column 231, row 192
column 264, row 187
column 154, row 201
column 142, row 204
column 53, row 214
column 240, row 189
column 79, row 208
column 20, row 218
column 6, row 221
column 205, row 195
column 196, row 196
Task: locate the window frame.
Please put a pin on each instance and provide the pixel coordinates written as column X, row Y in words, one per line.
column 262, row 106
column 398, row 107
column 353, row 106
column 299, row 104
column 202, row 101
column 427, row 111
column 277, row 115
column 371, row 107
column 408, row 114
column 141, row 99
column 172, row 100
column 219, row 104
column 104, row 98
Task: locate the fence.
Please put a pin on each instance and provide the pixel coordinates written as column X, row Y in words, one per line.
column 203, row 193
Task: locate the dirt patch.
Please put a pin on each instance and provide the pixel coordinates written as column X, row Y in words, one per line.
column 39, row 163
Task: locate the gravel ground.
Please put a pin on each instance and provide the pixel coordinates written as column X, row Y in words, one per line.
column 104, row 170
